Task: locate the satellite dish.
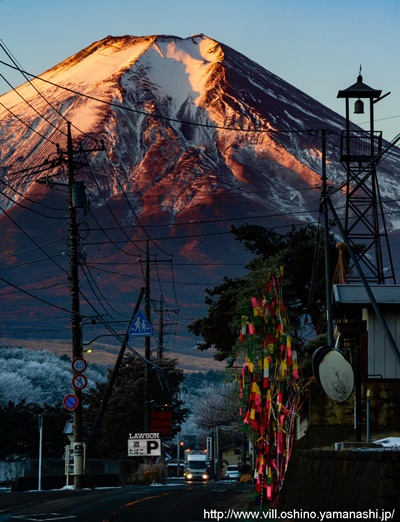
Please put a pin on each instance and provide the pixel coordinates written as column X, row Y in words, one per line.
column 333, row 372
column 317, row 357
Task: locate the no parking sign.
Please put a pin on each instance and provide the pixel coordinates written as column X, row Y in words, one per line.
column 70, row 402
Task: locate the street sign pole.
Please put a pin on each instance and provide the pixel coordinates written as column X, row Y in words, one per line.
column 40, row 450
column 71, row 402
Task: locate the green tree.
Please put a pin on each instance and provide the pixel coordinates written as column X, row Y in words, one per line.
column 19, row 433
column 299, row 251
column 125, row 410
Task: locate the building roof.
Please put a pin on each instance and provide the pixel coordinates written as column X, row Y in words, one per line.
column 357, row 294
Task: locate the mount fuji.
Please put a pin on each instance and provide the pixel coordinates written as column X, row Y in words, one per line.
column 175, row 139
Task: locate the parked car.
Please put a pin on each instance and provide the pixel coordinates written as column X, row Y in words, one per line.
column 232, row 471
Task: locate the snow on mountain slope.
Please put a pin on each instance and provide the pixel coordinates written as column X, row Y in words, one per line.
column 192, row 80
column 197, row 137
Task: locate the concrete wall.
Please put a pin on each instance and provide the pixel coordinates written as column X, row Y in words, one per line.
column 384, row 408
column 10, row 470
column 320, row 478
column 342, row 480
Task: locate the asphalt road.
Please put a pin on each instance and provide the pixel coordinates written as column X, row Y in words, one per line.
column 173, row 502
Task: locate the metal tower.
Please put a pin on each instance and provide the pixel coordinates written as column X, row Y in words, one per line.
column 365, row 224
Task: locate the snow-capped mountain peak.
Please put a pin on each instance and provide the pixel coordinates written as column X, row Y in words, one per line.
column 194, row 133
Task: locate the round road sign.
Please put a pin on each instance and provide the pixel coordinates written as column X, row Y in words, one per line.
column 79, row 381
column 70, row 402
column 79, row 364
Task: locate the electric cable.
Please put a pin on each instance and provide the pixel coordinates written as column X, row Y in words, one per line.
column 16, row 254
column 27, row 124
column 32, row 289
column 156, row 116
column 112, row 215
column 37, row 298
column 32, row 107
column 130, row 276
column 19, row 204
column 93, row 284
column 15, row 62
column 30, row 262
column 130, row 206
column 230, row 219
column 31, row 239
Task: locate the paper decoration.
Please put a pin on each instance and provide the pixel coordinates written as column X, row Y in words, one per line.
column 270, row 387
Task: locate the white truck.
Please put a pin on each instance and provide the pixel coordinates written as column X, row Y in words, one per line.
column 196, row 466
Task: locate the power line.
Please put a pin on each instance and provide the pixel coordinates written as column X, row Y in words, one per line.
column 96, row 290
column 30, row 249
column 27, row 124
column 113, row 216
column 34, row 289
column 19, row 68
column 28, row 293
column 23, row 196
column 158, row 116
column 131, row 276
column 31, row 106
column 130, row 206
column 31, row 261
column 31, row 239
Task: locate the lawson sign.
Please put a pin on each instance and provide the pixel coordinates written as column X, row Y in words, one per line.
column 144, row 444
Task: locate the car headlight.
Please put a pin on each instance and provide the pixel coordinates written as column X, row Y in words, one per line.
column 189, row 476
column 205, row 476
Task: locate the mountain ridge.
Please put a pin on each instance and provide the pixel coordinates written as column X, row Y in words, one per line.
column 197, row 137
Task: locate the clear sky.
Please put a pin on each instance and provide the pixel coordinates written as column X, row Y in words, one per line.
column 315, row 45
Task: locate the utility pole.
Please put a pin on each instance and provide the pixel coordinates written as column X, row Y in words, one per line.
column 328, row 281
column 147, row 352
column 161, row 331
column 75, row 315
column 76, row 199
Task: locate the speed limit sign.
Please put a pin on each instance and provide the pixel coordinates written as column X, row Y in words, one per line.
column 79, row 364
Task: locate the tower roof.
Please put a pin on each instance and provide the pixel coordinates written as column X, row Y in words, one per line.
column 359, row 90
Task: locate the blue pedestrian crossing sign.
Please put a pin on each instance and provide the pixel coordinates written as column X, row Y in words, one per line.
column 140, row 326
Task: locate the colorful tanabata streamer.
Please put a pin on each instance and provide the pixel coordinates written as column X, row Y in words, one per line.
column 270, row 388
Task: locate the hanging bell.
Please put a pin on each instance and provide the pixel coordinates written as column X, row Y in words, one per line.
column 359, row 107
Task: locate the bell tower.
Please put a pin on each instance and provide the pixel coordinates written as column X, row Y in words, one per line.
column 360, row 152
